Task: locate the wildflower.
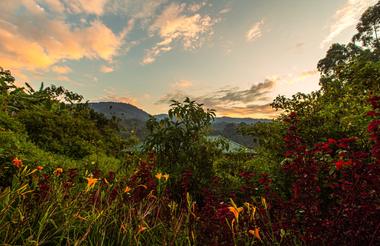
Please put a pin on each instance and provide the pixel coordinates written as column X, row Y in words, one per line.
column 17, row 162
column 158, row 176
column 39, row 168
column 255, row 232
column 127, row 189
column 235, row 211
column 91, row 182
column 341, row 163
column 166, row 177
column 58, row 171
column 141, row 229
column 264, row 202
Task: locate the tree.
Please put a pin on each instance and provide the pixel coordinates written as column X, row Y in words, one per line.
column 180, row 144
column 368, row 27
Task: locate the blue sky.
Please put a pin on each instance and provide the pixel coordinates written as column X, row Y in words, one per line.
column 233, row 56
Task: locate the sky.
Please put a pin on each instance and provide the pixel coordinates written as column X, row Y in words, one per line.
column 234, row 56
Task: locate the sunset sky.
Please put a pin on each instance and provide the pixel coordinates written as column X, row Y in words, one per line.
column 232, row 55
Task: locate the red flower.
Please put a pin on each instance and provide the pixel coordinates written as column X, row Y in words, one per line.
column 341, row 163
column 17, row 162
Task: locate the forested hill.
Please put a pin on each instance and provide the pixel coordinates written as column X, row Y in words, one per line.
column 124, row 111
column 134, row 118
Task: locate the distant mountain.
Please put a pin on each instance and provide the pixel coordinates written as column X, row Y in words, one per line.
column 124, row 111
column 225, row 119
column 134, row 118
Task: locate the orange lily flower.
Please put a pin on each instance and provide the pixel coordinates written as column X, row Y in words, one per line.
column 255, row 232
column 264, row 202
column 141, row 229
column 235, row 211
column 91, row 182
column 58, row 171
column 166, row 177
column 127, row 189
column 17, row 162
column 158, row 176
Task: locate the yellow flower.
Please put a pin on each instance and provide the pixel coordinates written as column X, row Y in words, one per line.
column 158, row 176
column 91, row 182
column 235, row 211
column 58, row 171
column 166, row 177
column 264, row 202
column 255, row 232
column 127, row 189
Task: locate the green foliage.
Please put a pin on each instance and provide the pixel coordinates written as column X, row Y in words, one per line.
column 181, row 145
column 368, row 27
column 52, row 125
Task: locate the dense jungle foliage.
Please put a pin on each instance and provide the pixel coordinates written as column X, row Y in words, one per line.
column 68, row 177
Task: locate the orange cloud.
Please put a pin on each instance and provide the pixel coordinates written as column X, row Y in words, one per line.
column 251, row 102
column 106, row 69
column 114, row 98
column 255, row 31
column 111, row 96
column 255, row 111
column 61, row 69
column 182, row 84
column 38, row 42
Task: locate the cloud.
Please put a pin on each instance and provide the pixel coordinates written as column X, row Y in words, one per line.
column 175, row 25
column 61, row 69
column 346, row 17
column 142, row 11
column 115, row 98
column 36, row 41
column 298, row 77
column 182, row 84
column 111, row 96
column 264, row 110
column 232, row 101
column 106, row 69
column 255, row 31
column 55, row 5
column 85, row 6
column 225, row 11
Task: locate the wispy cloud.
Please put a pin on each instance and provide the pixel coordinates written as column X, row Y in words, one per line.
column 182, row 84
column 346, row 17
column 106, row 69
column 84, row 6
column 232, row 101
column 61, row 69
column 225, row 11
column 111, row 96
column 298, row 77
column 177, row 24
column 255, row 31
